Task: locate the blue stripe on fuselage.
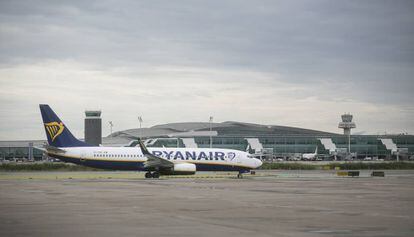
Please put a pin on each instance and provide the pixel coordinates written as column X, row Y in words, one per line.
column 103, row 164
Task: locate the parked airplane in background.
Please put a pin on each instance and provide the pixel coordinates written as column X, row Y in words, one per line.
column 310, row 156
column 156, row 161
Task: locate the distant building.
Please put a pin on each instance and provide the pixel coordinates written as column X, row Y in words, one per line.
column 93, row 127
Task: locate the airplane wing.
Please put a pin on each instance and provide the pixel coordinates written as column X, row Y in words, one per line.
column 154, row 161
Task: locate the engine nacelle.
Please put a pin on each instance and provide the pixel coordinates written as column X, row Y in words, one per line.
column 184, row 168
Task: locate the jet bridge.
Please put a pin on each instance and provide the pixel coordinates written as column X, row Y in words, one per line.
column 389, row 144
column 328, row 144
column 254, row 144
column 150, row 142
column 189, row 142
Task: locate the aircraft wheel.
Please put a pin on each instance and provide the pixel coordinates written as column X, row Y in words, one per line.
column 239, row 176
column 148, row 175
column 156, row 175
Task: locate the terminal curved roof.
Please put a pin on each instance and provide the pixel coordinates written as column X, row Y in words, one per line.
column 229, row 128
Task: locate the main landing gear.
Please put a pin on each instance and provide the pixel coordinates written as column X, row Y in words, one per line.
column 154, row 175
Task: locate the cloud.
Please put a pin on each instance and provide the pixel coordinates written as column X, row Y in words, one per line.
column 172, row 94
column 295, row 63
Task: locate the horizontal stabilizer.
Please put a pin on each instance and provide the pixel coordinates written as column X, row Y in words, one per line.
column 53, row 149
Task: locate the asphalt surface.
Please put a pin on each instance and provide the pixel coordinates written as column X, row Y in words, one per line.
column 275, row 203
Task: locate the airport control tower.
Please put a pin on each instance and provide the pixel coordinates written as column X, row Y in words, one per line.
column 93, row 127
column 347, row 125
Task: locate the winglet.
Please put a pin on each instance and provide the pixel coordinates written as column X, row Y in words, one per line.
column 143, row 148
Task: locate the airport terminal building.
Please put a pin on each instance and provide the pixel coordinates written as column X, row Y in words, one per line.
column 267, row 142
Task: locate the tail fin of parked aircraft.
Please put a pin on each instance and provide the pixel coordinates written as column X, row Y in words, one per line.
column 58, row 135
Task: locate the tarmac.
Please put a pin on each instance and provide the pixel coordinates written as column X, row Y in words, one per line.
column 270, row 203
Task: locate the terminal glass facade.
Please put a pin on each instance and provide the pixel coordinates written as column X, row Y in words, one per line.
column 277, row 146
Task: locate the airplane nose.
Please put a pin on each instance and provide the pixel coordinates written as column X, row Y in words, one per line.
column 258, row 163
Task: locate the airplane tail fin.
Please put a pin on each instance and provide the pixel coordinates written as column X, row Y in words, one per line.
column 58, row 135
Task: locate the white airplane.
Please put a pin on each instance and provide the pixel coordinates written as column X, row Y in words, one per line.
column 310, row 156
column 156, row 161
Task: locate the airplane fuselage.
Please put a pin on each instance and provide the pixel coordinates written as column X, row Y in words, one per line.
column 132, row 158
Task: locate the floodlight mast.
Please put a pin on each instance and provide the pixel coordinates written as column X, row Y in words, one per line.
column 140, row 126
column 211, row 137
column 111, row 125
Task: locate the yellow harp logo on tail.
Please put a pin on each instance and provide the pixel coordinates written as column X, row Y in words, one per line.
column 54, row 129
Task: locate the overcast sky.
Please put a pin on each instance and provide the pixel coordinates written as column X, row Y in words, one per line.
column 293, row 63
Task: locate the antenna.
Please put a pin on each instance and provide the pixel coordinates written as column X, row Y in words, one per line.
column 211, row 138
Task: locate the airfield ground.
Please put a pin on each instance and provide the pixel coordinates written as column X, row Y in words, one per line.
column 271, row 203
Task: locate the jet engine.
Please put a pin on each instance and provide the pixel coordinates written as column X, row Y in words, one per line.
column 184, row 168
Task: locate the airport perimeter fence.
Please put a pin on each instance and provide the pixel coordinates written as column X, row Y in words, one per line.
column 340, row 166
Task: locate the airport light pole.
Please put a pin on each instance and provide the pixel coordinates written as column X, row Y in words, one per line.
column 140, row 125
column 398, row 155
column 111, row 125
column 211, row 137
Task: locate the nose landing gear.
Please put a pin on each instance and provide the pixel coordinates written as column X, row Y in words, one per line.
column 240, row 175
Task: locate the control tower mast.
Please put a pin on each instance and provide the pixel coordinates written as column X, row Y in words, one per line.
column 347, row 125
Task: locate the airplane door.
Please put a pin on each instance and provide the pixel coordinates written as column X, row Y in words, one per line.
column 82, row 157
